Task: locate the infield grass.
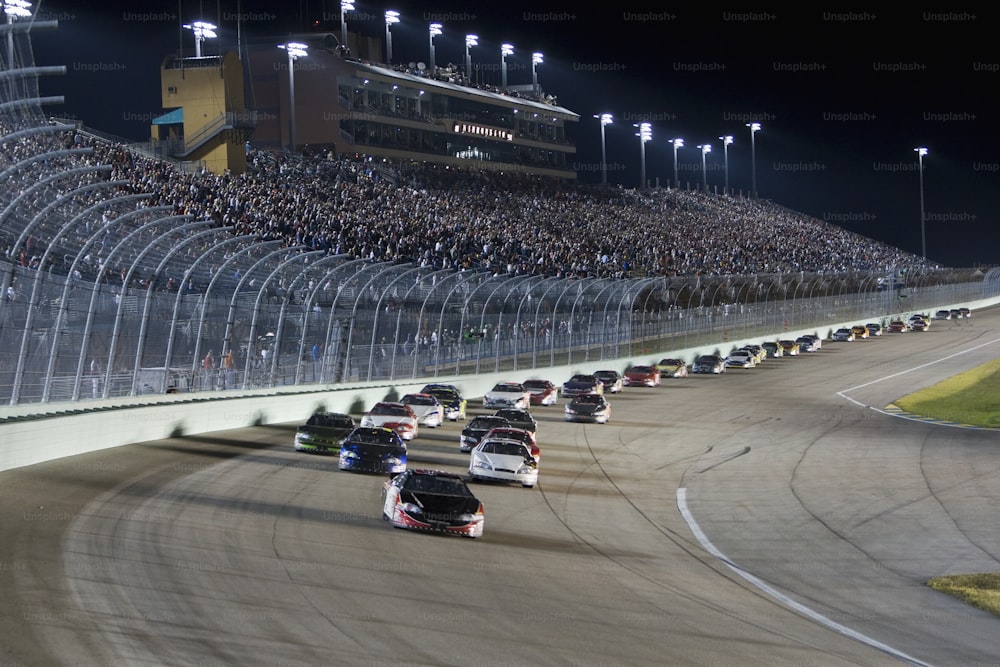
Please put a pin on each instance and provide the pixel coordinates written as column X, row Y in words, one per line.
column 971, row 398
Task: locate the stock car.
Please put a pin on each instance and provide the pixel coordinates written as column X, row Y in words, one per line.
column 432, row 500
column 503, row 461
column 874, row 328
column 860, row 332
column 322, row 432
column 518, row 434
column 394, row 415
column 672, row 368
column 808, row 343
column 773, row 349
column 612, row 380
column 518, row 418
column 582, row 383
column 642, row 376
column 543, row 392
column 741, row 359
column 372, row 449
column 427, row 408
column 588, row 408
column 477, row 428
column 843, row 335
column 791, row 347
column 709, row 363
column 451, row 399
column 507, row 395
column 897, row 326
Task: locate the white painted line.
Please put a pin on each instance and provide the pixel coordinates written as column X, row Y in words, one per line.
column 843, row 393
column 779, row 596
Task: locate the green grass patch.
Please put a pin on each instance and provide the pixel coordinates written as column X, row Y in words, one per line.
column 971, row 398
column 978, row 590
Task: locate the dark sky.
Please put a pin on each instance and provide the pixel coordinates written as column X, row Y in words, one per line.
column 843, row 97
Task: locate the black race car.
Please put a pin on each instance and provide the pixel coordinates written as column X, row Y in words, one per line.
column 477, row 428
column 432, row 500
column 518, row 418
column 373, row 449
column 322, row 433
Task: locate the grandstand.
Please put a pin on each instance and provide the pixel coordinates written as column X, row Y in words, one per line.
column 123, row 274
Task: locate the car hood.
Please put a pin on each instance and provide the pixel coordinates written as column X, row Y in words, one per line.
column 504, row 461
column 324, row 432
column 579, row 385
column 374, row 451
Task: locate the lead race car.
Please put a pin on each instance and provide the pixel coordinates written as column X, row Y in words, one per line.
column 434, row 501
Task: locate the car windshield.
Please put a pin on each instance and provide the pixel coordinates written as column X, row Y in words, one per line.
column 487, row 422
column 508, row 388
column 588, row 399
column 374, row 436
column 641, row 369
column 606, row 375
column 514, row 415
column 503, row 448
column 448, row 486
column 388, row 409
column 332, row 421
column 536, row 384
column 417, row 399
column 671, row 362
column 583, row 378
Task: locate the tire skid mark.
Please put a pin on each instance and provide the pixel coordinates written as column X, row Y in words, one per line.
column 686, row 545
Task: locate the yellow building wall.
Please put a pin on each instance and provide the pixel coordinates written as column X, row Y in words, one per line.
column 207, row 89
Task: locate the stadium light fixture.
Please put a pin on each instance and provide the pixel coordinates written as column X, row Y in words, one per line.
column 391, row 17
column 295, row 51
column 676, row 143
column 202, row 30
column 434, row 31
column 345, row 6
column 505, row 50
column 470, row 41
column 754, row 129
column 726, row 140
column 536, row 59
column 705, row 150
column 645, row 134
column 14, row 9
column 606, row 119
column 921, row 152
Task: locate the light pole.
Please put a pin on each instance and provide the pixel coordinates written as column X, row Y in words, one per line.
column 536, row 59
column 921, row 152
column 345, row 6
column 14, row 9
column 505, row 50
column 470, row 41
column 705, row 150
column 434, row 31
column 676, row 143
column 202, row 31
column 645, row 134
column 295, row 51
column 391, row 16
column 754, row 129
column 726, row 140
column 606, row 119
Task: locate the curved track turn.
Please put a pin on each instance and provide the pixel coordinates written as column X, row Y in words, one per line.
column 811, row 521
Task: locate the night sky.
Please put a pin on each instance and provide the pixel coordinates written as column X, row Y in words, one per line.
column 843, row 97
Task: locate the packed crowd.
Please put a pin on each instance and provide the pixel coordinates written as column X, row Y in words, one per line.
column 502, row 223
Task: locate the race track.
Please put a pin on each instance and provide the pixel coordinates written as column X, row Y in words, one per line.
column 771, row 516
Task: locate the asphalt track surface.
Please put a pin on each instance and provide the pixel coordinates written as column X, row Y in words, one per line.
column 770, row 516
